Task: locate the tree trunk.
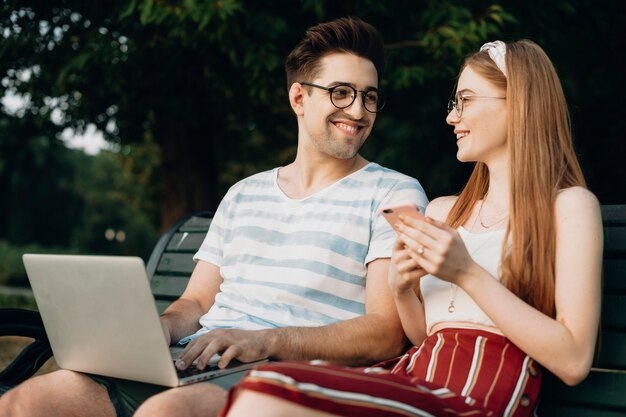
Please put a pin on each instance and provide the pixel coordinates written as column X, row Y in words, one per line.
column 189, row 173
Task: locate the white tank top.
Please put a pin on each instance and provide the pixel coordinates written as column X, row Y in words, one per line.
column 486, row 250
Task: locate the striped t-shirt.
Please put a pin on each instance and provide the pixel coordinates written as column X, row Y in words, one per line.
column 287, row 262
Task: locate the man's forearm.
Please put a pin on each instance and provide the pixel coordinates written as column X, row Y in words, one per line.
column 359, row 341
column 180, row 319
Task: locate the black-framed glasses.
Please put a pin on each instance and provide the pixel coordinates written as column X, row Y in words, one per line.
column 457, row 104
column 343, row 95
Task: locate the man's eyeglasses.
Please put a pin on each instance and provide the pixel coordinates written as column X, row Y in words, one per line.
column 343, row 96
column 457, row 104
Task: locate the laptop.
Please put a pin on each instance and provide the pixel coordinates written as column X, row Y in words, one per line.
column 101, row 318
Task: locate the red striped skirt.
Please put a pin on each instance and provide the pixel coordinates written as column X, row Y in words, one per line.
column 455, row 372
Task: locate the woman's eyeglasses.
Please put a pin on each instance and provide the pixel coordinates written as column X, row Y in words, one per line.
column 457, row 104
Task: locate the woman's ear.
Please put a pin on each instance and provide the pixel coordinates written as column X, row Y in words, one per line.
column 296, row 98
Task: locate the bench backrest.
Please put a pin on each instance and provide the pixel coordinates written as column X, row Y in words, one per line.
column 603, row 393
column 171, row 263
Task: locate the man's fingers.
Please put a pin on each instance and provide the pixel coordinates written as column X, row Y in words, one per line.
column 229, row 354
column 213, row 348
column 187, row 356
column 229, row 343
column 194, row 350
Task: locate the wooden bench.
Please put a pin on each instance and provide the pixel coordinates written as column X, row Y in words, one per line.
column 602, row 394
column 170, row 264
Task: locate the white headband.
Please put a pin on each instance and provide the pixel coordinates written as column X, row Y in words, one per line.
column 497, row 52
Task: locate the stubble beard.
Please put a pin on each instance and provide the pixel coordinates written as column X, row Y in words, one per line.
column 339, row 148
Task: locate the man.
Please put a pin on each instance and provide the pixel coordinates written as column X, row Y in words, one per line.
column 295, row 263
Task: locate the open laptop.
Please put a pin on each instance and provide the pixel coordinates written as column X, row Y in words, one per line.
column 101, row 318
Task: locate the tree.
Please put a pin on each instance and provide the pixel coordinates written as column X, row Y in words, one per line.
column 204, row 79
column 36, row 184
column 63, row 200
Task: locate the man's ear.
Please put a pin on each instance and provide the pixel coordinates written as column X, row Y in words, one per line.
column 296, row 98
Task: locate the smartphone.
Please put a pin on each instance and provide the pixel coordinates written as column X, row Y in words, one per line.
column 391, row 213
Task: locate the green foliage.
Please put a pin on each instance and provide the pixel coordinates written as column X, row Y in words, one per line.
column 195, row 89
column 12, row 268
column 36, row 182
column 203, row 79
column 440, row 35
column 60, row 200
column 201, row 12
column 52, row 194
column 118, row 195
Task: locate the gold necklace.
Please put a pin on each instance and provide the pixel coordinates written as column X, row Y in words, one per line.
column 480, row 218
column 453, row 288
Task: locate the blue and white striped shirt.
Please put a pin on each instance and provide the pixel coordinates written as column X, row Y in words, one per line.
column 289, row 262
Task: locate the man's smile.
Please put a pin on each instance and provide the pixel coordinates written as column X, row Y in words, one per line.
column 348, row 127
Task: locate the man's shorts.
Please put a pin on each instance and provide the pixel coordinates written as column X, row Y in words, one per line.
column 127, row 396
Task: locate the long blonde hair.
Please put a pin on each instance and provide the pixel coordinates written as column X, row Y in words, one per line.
column 542, row 162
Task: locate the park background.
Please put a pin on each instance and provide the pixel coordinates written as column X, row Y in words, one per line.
column 190, row 96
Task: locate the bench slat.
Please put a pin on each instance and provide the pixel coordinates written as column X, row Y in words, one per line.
column 614, row 241
column 614, row 271
column 614, row 312
column 168, row 286
column 568, row 411
column 613, row 351
column 196, row 224
column 176, row 263
column 614, row 214
column 601, row 390
column 185, row 242
column 162, row 305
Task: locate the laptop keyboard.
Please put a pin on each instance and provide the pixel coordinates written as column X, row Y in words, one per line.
column 193, row 370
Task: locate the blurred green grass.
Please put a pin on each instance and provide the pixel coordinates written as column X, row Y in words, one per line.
column 17, row 301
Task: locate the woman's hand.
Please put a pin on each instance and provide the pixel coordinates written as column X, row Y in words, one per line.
column 404, row 272
column 436, row 248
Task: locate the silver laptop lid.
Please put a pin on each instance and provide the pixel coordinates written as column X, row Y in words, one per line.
column 100, row 316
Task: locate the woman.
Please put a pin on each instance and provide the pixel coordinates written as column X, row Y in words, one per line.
column 494, row 282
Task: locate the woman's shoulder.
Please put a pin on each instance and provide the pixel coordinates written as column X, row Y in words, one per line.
column 577, row 206
column 439, row 208
column 575, row 199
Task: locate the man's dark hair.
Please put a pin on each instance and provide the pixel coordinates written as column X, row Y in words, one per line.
column 348, row 34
